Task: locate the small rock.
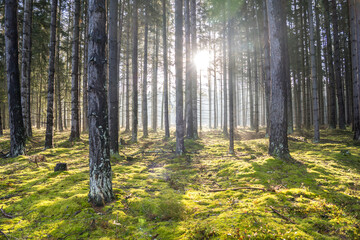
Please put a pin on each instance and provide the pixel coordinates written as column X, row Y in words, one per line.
column 60, row 167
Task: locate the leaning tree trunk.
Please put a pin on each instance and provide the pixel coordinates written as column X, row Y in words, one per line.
column 166, row 80
column 337, row 64
column 75, row 128
column 278, row 144
column 99, row 148
column 180, row 147
column 17, row 130
column 314, row 74
column 145, row 75
column 25, row 72
column 135, row 73
column 113, row 78
column 50, row 97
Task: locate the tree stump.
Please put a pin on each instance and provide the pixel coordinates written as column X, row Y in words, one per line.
column 60, row 167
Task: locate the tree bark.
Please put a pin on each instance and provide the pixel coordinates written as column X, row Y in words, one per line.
column 332, row 105
column 99, row 148
column 337, row 64
column 267, row 77
column 75, row 128
column 113, row 78
column 225, row 125
column 194, row 70
column 144, row 88
column 25, row 72
column 231, row 85
column 50, row 97
column 17, row 130
column 127, row 100
column 85, row 96
column 278, row 144
column 166, row 80
column 58, row 74
column 180, row 147
column 135, row 72
column 313, row 74
column 154, row 82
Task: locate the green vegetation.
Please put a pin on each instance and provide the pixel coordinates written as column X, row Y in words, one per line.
column 161, row 196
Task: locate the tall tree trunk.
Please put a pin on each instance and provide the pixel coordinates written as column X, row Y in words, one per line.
column 337, row 64
column 25, row 72
column 194, row 70
column 313, row 74
column 250, row 93
column 354, row 28
column 155, row 80
column 319, row 70
column 225, row 126
column 127, row 103
column 267, row 78
column 85, row 96
column 50, row 97
column 113, row 78
column 17, row 130
column 332, row 105
column 166, row 80
column 256, row 113
column 215, row 87
column 75, row 128
column 144, row 89
column 231, row 85
column 1, row 125
column 278, row 144
column 180, row 147
column 135, row 72
column 99, row 148
column 189, row 69
column 58, row 74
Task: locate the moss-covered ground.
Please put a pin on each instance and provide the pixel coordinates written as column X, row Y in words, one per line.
column 161, row 196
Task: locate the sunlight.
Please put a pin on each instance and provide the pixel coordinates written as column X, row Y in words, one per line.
column 202, row 59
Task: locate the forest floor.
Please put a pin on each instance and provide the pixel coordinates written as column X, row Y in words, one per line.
column 207, row 194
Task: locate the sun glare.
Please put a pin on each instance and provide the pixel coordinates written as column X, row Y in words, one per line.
column 202, row 59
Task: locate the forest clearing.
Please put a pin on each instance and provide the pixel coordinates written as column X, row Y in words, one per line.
column 196, row 196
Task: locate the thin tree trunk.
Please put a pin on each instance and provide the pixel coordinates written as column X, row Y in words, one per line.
column 231, row 85
column 85, row 96
column 278, row 144
column 313, row 74
column 267, row 78
column 25, row 72
column 127, row 81
column 180, row 147
column 154, row 83
column 17, row 130
column 338, row 80
column 166, row 81
column 50, row 97
column 113, row 78
column 194, row 70
column 188, row 93
column 58, row 74
column 135, row 72
column 332, row 104
column 144, row 89
column 99, row 148
column 225, row 126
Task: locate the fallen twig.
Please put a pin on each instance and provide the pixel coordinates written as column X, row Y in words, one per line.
column 241, row 188
column 2, row 233
column 282, row 216
column 5, row 214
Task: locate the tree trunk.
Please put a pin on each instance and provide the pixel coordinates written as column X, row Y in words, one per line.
column 278, row 144
column 332, row 105
column 17, row 130
column 26, row 67
column 75, row 128
column 85, row 96
column 313, row 74
column 189, row 75
column 154, row 81
column 194, row 70
column 231, row 85
column 127, row 103
column 50, row 97
column 337, row 64
column 58, row 74
column 135, row 72
column 180, row 148
column 99, row 148
column 319, row 70
column 166, row 80
column 113, row 78
column 267, row 78
column 225, row 126
column 144, row 89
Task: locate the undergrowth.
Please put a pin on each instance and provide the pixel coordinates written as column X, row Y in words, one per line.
column 206, row 194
